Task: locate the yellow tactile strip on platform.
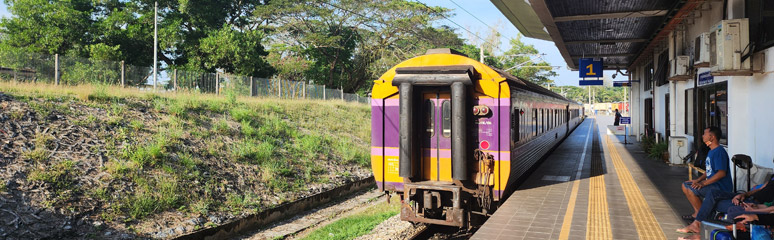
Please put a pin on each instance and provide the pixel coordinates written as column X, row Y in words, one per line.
column 642, row 215
column 598, row 221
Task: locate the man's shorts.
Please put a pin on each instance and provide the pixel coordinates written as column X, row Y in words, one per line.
column 703, row 191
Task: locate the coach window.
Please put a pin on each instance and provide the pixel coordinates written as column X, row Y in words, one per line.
column 430, row 117
column 535, row 121
column 446, row 111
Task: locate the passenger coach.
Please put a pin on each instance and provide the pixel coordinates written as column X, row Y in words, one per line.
column 454, row 136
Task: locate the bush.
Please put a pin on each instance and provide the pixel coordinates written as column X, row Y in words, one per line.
column 657, row 150
column 647, row 142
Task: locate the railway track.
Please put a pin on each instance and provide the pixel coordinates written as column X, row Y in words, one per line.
column 435, row 232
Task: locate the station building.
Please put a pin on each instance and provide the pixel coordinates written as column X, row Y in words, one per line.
column 691, row 64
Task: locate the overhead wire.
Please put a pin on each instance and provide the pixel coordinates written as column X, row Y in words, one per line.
column 540, row 56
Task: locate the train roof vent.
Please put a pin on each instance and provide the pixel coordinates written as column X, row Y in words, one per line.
column 444, row 50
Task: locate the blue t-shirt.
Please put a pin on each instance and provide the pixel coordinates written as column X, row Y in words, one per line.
column 717, row 159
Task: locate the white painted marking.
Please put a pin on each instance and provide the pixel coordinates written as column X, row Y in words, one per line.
column 556, row 178
column 583, row 155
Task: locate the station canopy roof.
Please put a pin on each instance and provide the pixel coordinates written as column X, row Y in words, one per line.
column 618, row 31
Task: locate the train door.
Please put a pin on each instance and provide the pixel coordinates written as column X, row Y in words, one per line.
column 436, row 142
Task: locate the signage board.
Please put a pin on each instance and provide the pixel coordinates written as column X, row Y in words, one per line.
column 706, row 78
column 626, row 120
column 621, row 84
column 591, row 82
column 590, row 68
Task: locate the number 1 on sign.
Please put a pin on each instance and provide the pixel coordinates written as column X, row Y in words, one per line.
column 591, row 70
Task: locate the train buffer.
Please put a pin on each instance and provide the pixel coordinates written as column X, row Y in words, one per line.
column 593, row 186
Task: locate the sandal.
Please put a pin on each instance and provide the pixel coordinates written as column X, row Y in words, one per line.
column 680, row 230
column 688, row 217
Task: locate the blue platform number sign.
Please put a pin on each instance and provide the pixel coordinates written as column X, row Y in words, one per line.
column 590, row 68
column 626, row 120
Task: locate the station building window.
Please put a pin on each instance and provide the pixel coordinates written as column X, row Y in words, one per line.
column 713, row 108
column 689, row 113
column 648, row 84
column 663, row 69
column 761, row 15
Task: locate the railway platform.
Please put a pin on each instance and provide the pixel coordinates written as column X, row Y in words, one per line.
column 594, row 187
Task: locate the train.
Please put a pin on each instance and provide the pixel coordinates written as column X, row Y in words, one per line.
column 454, row 137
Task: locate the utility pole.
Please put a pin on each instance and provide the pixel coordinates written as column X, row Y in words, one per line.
column 155, row 43
column 481, row 54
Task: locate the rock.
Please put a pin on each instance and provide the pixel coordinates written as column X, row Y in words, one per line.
column 193, row 221
column 68, row 227
column 97, row 223
column 214, row 219
column 180, row 230
column 108, row 233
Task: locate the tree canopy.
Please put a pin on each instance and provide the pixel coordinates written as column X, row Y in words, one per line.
column 338, row 43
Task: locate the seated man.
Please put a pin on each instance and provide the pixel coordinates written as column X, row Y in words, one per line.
column 713, row 186
column 757, row 201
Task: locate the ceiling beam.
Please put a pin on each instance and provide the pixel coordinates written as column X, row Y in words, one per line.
column 606, row 55
column 651, row 13
column 541, row 9
column 635, row 40
column 681, row 14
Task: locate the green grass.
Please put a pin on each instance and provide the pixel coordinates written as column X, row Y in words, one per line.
column 174, row 157
column 153, row 195
column 252, row 151
column 59, row 176
column 356, row 225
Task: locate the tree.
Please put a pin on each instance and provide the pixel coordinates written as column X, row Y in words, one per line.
column 123, row 30
column 349, row 43
column 520, row 58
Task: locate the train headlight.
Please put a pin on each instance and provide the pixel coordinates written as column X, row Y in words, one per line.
column 481, row 110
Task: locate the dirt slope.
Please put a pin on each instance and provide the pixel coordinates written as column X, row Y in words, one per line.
column 101, row 162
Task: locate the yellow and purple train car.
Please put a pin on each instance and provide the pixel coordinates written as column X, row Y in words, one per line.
column 454, row 136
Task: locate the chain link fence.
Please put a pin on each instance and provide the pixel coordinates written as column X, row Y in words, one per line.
column 68, row 70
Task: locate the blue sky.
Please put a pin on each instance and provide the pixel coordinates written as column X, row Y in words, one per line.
column 488, row 13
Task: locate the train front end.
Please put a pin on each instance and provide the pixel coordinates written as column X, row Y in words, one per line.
column 440, row 137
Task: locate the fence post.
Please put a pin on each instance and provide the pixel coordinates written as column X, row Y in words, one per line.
column 279, row 92
column 123, row 74
column 252, row 87
column 174, row 78
column 217, row 83
column 56, row 69
column 324, row 91
column 342, row 93
column 303, row 85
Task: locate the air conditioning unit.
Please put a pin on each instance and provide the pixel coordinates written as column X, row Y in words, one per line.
column 679, row 147
column 729, row 41
column 701, row 51
column 679, row 69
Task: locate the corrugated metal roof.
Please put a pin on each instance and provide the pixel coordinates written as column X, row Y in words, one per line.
column 616, row 30
column 562, row 8
column 609, row 29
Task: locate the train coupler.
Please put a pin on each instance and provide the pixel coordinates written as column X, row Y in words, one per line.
column 434, row 203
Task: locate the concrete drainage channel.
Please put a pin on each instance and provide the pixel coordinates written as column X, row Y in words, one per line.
column 265, row 218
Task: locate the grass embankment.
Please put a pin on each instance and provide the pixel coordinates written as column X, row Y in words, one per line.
column 356, row 225
column 185, row 152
